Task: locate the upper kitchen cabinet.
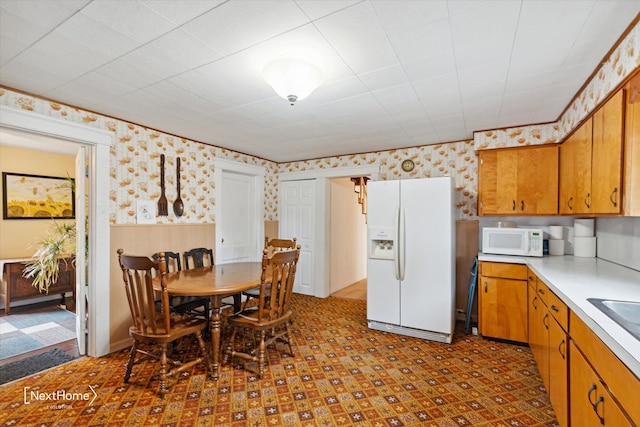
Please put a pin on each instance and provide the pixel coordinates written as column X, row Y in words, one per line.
column 575, row 171
column 591, row 163
column 631, row 193
column 518, row 181
column 606, row 163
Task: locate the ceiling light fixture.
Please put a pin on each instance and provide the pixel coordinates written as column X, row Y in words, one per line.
column 292, row 79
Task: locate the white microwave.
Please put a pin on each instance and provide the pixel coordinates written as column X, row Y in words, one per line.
column 512, row 241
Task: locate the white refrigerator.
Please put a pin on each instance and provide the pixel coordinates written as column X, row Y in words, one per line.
column 411, row 257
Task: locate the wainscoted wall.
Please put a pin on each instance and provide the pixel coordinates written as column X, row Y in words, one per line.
column 146, row 240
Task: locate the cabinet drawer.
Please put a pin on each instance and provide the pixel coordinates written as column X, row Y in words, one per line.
column 621, row 382
column 507, row 271
column 557, row 308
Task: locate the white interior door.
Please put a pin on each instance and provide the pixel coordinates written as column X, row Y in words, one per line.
column 238, row 224
column 297, row 219
column 81, row 261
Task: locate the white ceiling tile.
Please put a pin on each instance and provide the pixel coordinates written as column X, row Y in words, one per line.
column 95, row 36
column 425, row 41
column 180, row 12
column 396, row 73
column 142, row 67
column 393, row 96
column 238, row 25
column 17, row 75
column 130, row 18
column 411, row 14
column 89, row 89
column 44, row 13
column 432, row 66
column 315, row 9
column 180, row 47
column 17, row 33
column 364, row 50
column 384, row 78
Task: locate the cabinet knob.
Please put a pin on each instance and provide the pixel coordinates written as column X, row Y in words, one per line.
column 521, row 205
column 570, row 203
column 513, row 207
column 586, row 200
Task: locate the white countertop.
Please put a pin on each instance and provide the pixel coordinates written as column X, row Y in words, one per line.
column 574, row 279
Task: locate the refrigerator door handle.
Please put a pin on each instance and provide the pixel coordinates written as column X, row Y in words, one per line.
column 396, row 247
column 401, row 245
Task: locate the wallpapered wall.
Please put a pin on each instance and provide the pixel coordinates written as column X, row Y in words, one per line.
column 135, row 155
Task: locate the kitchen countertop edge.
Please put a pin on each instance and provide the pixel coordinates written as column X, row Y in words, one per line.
column 574, row 279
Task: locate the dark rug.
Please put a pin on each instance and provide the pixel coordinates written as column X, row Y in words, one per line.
column 31, row 365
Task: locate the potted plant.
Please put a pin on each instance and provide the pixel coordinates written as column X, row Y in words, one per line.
column 58, row 246
column 53, row 249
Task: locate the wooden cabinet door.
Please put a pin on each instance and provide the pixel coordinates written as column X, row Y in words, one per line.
column 585, row 389
column 507, row 181
column 503, row 308
column 558, row 371
column 488, row 182
column 498, row 182
column 575, row 171
column 589, row 402
column 538, row 181
column 606, row 171
column 538, row 341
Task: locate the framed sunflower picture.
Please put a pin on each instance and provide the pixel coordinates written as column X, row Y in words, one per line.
column 37, row 197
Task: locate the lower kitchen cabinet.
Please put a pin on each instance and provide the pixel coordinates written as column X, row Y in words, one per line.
column 548, row 321
column 591, row 403
column 603, row 391
column 502, row 301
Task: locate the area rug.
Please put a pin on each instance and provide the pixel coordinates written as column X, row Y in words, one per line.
column 22, row 333
column 342, row 374
column 40, row 362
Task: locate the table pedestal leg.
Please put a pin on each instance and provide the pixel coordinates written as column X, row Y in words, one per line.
column 216, row 302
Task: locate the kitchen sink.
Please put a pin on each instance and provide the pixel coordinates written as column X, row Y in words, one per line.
column 624, row 313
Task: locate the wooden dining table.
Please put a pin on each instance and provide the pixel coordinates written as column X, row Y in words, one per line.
column 215, row 282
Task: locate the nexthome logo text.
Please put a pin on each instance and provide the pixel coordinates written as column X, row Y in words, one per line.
column 58, row 396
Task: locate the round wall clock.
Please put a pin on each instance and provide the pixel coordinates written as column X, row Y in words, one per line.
column 408, row 165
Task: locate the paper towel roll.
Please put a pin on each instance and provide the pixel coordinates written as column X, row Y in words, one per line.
column 583, row 227
column 556, row 247
column 556, row 232
column 584, row 247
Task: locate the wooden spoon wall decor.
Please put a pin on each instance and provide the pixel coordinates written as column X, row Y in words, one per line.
column 178, row 206
column 162, row 203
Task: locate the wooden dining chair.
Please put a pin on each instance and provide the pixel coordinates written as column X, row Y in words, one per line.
column 183, row 304
column 156, row 327
column 203, row 257
column 272, row 317
column 200, row 257
column 172, row 260
column 272, row 246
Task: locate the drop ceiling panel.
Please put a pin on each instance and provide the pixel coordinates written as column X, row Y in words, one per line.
column 183, row 11
column 396, row 73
